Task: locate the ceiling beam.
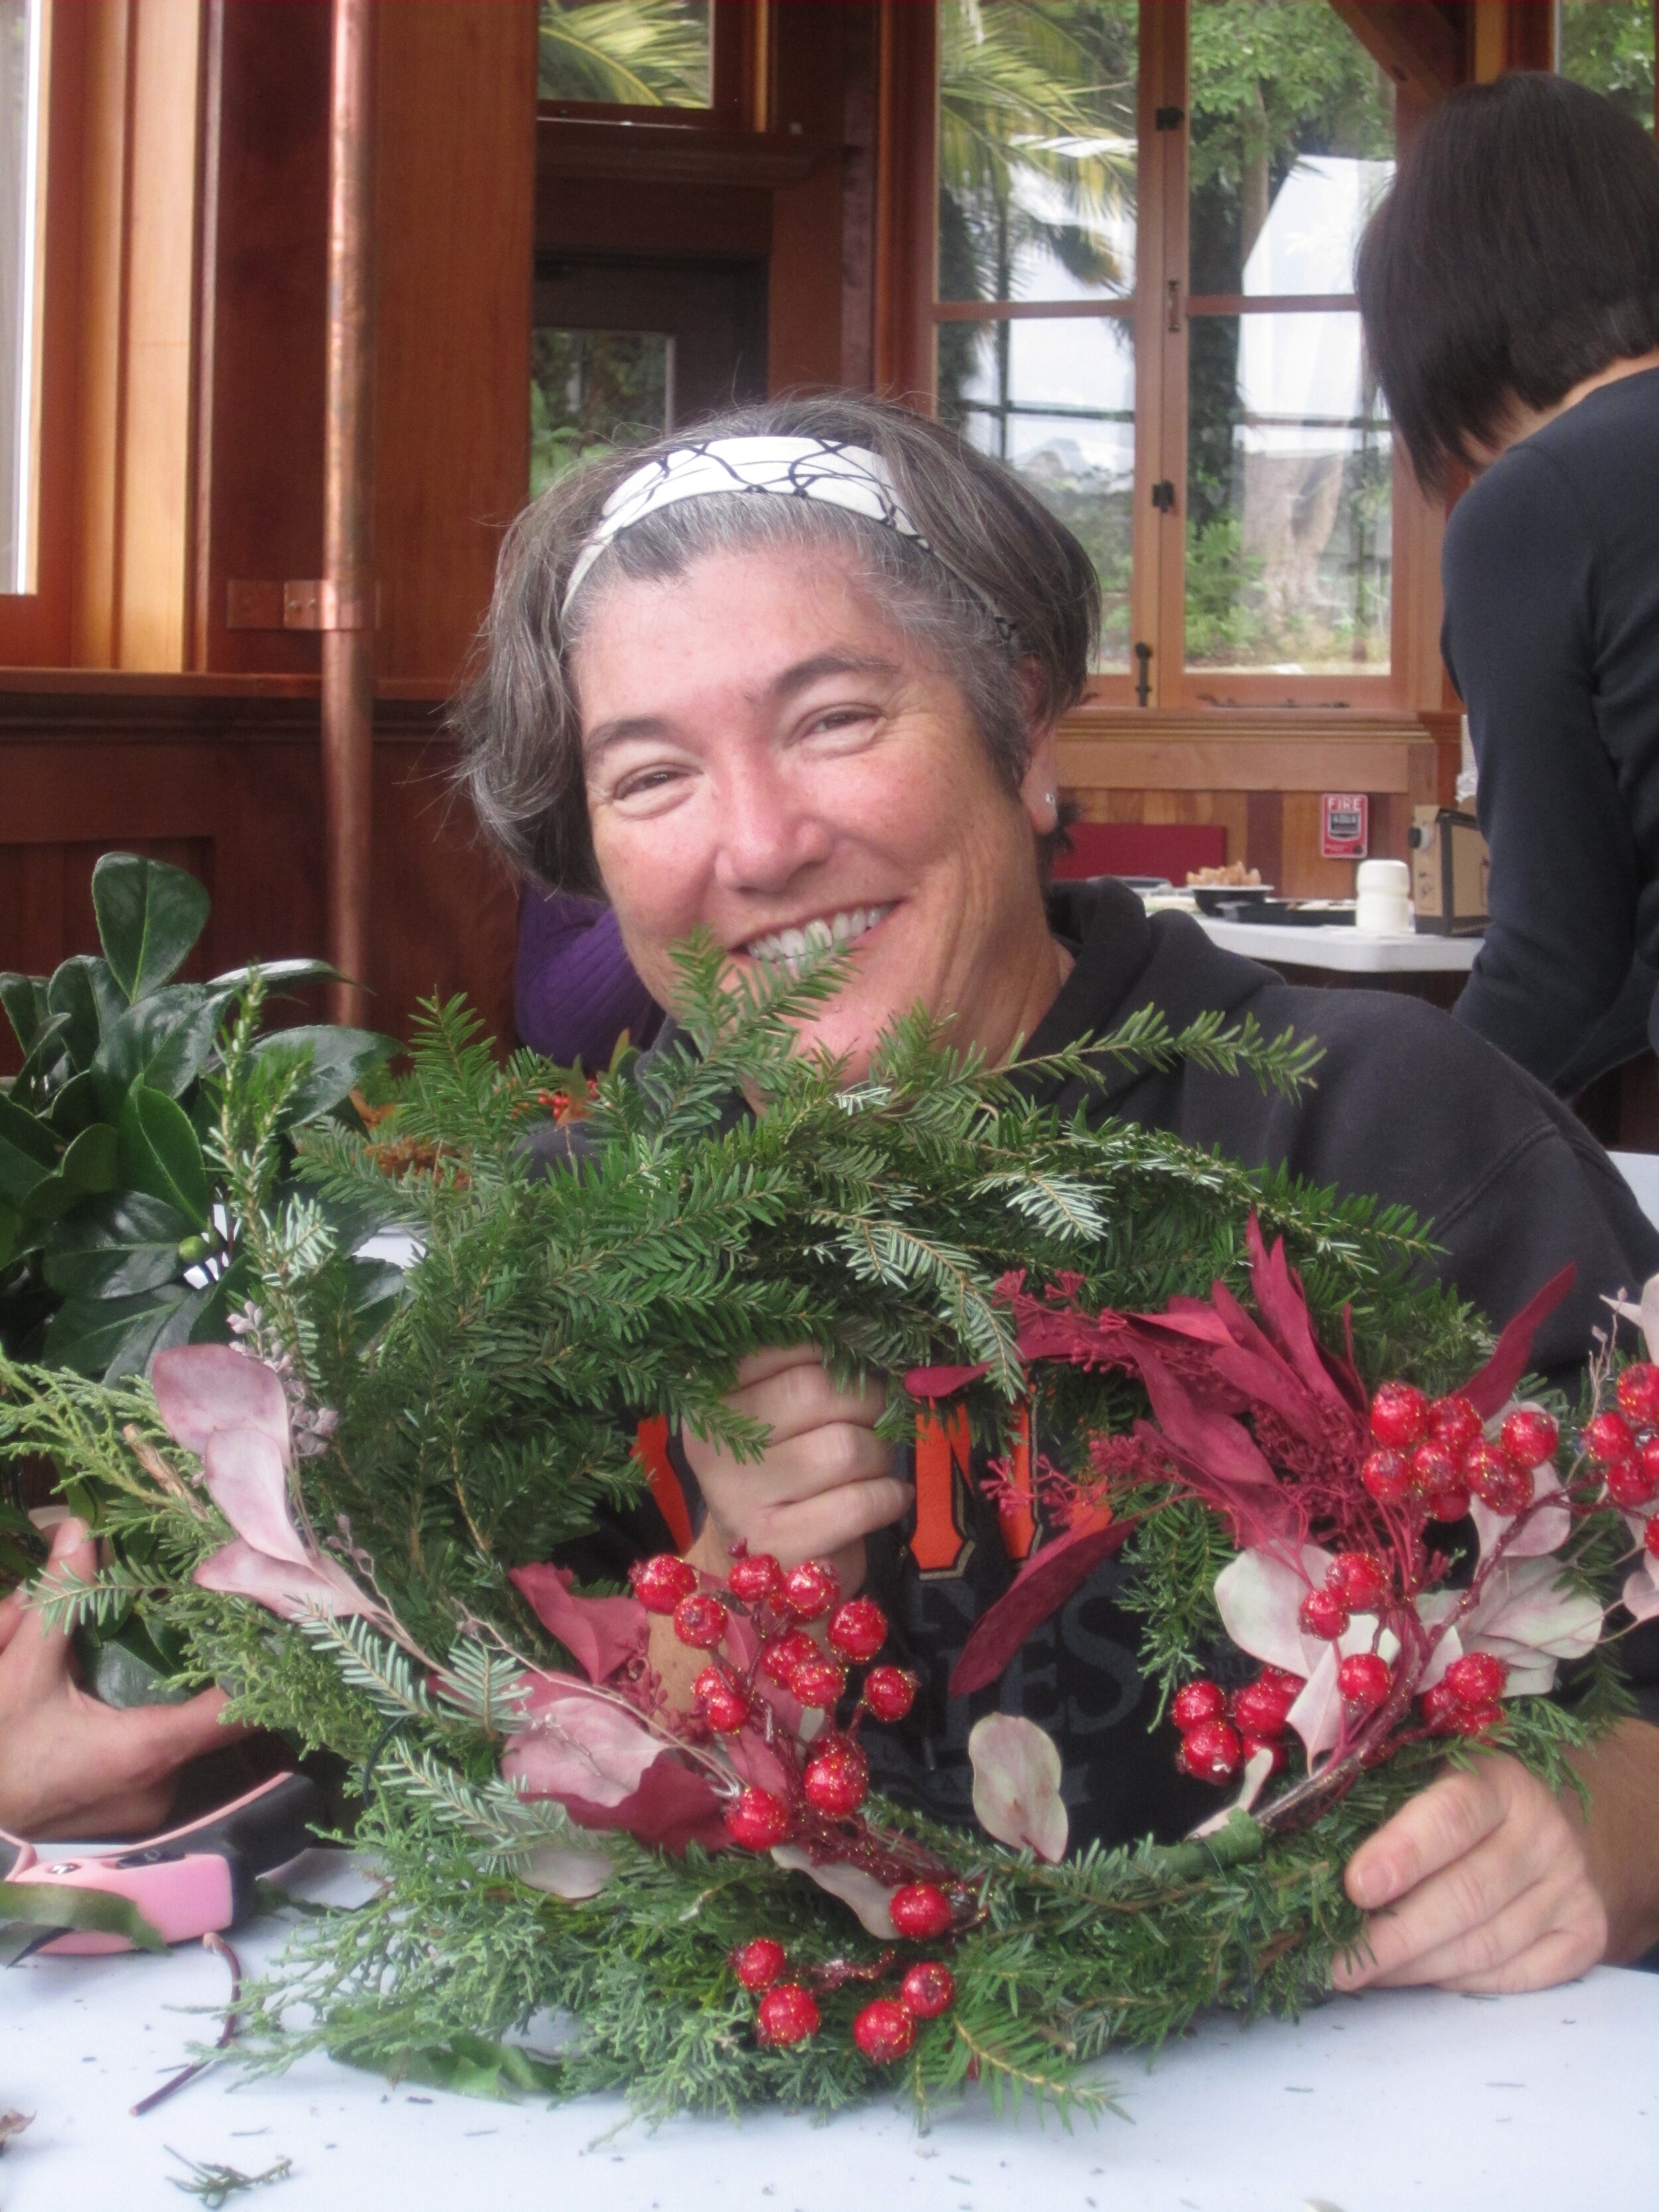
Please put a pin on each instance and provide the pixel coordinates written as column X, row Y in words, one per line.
column 1420, row 45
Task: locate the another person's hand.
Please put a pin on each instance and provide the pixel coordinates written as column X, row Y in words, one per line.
column 1485, row 1882
column 826, row 1480
column 70, row 1766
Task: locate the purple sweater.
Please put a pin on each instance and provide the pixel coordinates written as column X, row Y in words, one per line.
column 575, row 990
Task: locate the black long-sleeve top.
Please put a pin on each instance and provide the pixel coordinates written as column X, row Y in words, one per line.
column 1552, row 636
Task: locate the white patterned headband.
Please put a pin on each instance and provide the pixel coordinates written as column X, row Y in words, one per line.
column 822, row 468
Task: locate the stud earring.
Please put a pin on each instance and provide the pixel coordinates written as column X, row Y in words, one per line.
column 1047, row 798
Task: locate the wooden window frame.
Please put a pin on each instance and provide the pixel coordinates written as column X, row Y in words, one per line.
column 740, row 57
column 1158, row 554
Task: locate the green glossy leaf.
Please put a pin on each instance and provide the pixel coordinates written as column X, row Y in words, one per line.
column 164, row 1043
column 338, row 1059
column 74, row 1107
column 116, row 1246
column 50, row 1198
column 109, row 1338
column 84, row 989
column 10, row 1222
column 90, row 1162
column 45, row 1068
column 160, row 1156
column 227, row 1295
column 149, row 916
column 24, row 999
column 58, row 1904
column 28, row 1150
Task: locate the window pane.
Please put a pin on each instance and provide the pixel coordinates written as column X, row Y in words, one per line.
column 1037, row 148
column 1608, row 46
column 1289, row 497
column 1056, row 400
column 19, row 108
column 627, row 53
column 1292, row 144
column 592, row 390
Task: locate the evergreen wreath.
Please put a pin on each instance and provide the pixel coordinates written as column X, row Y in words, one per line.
column 348, row 1519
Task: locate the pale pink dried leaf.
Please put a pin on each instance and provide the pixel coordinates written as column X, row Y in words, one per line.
column 290, row 1590
column 567, row 1873
column 580, row 1746
column 201, row 1388
column 1016, row 1774
column 863, row 1895
column 1259, row 1598
column 248, row 1480
column 1257, row 1769
column 1545, row 1530
column 1640, row 1595
column 1317, row 1715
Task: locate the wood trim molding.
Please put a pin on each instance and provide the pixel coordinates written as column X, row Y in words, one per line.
column 906, row 211
column 587, row 150
column 1421, row 47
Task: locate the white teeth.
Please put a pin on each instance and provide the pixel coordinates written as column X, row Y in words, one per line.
column 787, row 946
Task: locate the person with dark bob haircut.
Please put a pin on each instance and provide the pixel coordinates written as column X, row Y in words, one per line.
column 1509, row 290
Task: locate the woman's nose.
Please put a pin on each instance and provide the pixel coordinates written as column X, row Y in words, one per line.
column 767, row 835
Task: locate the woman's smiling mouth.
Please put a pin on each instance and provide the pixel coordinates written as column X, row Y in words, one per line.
column 785, row 947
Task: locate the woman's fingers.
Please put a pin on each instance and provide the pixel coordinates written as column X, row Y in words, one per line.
column 37, row 1657
column 1480, row 1872
column 791, row 1399
column 11, row 1616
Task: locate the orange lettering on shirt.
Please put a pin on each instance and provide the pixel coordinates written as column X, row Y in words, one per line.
column 1015, row 1516
column 651, row 1449
column 942, row 1449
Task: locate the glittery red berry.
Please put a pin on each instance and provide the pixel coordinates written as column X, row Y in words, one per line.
column 1529, row 1437
column 1439, row 1708
column 1212, row 1752
column 1434, row 1467
column 1650, row 1536
column 1449, row 1505
column 1279, row 1757
column 890, row 1693
column 1476, row 1720
column 659, row 1584
column 1631, row 1484
column 1360, row 1578
column 1324, row 1614
column 699, row 1621
column 1495, row 1480
column 809, row 1590
column 1638, row 1394
column 858, row 1629
column 928, row 1990
column 1365, row 1681
column 758, row 1964
column 783, row 1654
column 884, row 2031
column 1399, row 1414
column 921, row 1911
column 1262, row 1708
column 755, row 1576
column 1608, row 1437
column 1387, row 1475
column 1198, row 1701
column 1476, row 1679
column 1454, row 1423
column 787, row 2015
column 757, row 1820
column 818, row 1682
column 837, row 1778
column 721, row 1703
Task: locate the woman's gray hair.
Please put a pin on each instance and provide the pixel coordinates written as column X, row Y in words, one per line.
column 518, row 719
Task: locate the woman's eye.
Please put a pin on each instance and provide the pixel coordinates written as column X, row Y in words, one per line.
column 645, row 783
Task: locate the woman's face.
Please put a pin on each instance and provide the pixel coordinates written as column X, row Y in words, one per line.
column 765, row 755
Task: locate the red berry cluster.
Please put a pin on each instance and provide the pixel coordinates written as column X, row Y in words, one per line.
column 1355, row 1581
column 1436, row 1455
column 884, row 2030
column 1465, row 1700
column 1625, row 1445
column 1219, row 1733
column 835, row 1778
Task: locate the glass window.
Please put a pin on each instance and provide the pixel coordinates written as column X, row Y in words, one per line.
column 1608, row 45
column 592, row 390
column 20, row 30
column 1036, row 210
column 627, row 54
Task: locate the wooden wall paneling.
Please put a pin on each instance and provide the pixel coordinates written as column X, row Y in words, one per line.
column 259, row 426
column 102, row 305
column 577, row 215
column 861, row 160
column 806, row 285
column 157, row 429
column 907, row 203
column 455, row 235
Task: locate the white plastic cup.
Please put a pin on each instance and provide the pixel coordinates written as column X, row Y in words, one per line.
column 1383, row 905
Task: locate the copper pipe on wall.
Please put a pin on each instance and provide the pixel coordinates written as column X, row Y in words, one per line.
column 348, row 593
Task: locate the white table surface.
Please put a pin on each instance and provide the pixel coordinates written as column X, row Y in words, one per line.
column 1546, row 2103
column 1340, row 947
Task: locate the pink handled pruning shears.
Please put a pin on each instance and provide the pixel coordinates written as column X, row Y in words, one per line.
column 189, row 1882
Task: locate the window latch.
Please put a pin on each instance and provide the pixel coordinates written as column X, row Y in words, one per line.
column 1168, row 118
column 1164, row 496
column 1144, row 681
column 1172, row 291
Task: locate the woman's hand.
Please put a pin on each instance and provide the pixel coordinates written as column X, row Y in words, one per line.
column 69, row 1765
column 825, row 1480
column 1491, row 1883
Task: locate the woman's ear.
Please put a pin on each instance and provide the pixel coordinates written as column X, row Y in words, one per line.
column 1039, row 788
